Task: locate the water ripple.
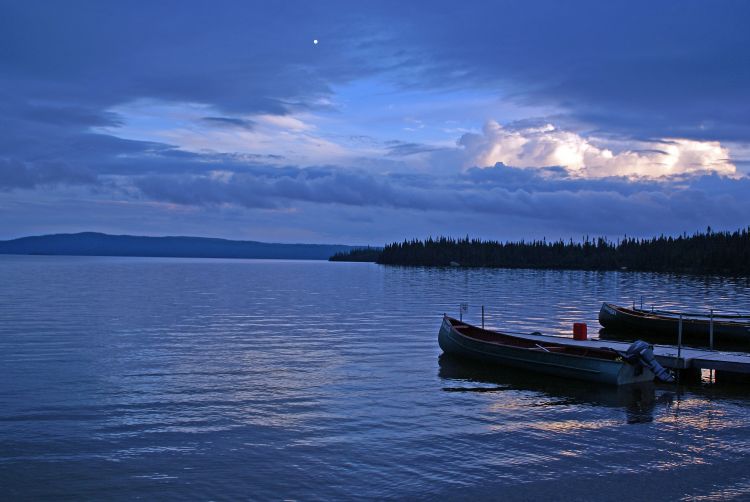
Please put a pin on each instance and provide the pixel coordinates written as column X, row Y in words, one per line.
column 211, row 379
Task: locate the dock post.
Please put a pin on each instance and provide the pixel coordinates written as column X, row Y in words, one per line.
column 711, row 342
column 679, row 371
column 482, row 316
column 679, row 341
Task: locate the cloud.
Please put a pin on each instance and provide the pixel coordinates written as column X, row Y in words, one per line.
column 284, row 122
column 547, row 146
column 249, row 58
column 544, row 199
column 193, row 127
column 264, row 97
column 632, row 67
column 280, row 188
column 230, row 122
column 16, row 174
column 398, row 148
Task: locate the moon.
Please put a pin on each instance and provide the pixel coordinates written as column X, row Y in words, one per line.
column 315, row 41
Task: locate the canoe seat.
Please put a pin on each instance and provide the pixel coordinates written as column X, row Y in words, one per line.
column 549, row 349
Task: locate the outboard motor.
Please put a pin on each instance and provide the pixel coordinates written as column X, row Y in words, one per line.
column 641, row 352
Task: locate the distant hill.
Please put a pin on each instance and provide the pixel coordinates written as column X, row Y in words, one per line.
column 97, row 244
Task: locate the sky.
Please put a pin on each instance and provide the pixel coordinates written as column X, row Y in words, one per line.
column 374, row 121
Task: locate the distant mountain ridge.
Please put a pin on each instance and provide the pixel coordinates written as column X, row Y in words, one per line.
column 98, row 244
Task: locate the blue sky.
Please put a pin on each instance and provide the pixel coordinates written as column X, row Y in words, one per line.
column 502, row 120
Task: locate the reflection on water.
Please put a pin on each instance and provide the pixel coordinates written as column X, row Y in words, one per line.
column 207, row 379
column 637, row 401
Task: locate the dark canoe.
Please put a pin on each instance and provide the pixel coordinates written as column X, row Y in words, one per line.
column 584, row 363
column 695, row 328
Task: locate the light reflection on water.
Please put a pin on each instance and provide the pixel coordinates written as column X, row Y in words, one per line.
column 271, row 380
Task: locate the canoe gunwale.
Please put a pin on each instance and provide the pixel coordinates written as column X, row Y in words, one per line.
column 589, row 353
column 646, row 323
column 520, row 359
column 663, row 315
column 743, row 318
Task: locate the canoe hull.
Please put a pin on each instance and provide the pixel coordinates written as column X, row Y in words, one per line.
column 561, row 365
column 619, row 319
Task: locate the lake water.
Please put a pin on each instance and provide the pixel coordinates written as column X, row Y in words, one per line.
column 128, row 378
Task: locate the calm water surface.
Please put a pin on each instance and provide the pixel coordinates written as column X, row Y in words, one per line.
column 270, row 380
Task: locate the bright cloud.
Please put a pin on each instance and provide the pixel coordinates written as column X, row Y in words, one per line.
column 200, row 128
column 545, row 146
column 284, row 122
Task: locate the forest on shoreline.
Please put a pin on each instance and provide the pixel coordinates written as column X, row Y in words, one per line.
column 725, row 253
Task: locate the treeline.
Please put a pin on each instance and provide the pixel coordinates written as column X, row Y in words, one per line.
column 726, row 253
column 371, row 254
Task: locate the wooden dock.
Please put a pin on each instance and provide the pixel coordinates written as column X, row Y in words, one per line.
column 737, row 363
